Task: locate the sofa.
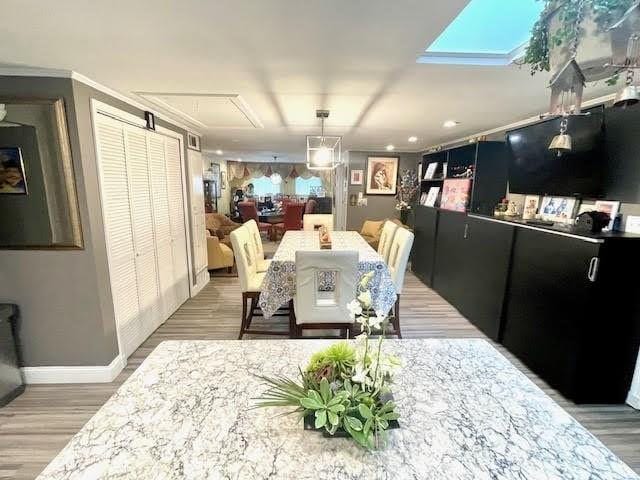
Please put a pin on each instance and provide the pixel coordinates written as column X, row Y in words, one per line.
column 221, row 226
column 219, row 255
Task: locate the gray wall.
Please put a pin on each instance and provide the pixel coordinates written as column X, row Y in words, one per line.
column 64, row 295
column 379, row 207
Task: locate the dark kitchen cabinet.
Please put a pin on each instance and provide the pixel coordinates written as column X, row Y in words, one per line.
column 424, row 245
column 571, row 313
column 471, row 267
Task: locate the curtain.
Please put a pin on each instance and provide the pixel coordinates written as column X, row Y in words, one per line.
column 241, row 173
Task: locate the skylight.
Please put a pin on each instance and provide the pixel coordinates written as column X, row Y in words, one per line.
column 486, row 32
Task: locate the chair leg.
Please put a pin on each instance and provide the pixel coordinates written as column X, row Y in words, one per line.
column 254, row 305
column 293, row 331
column 396, row 318
column 244, row 315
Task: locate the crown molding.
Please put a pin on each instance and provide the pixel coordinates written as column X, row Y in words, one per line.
column 17, row 71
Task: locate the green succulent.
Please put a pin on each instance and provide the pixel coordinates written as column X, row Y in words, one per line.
column 326, row 406
column 340, row 357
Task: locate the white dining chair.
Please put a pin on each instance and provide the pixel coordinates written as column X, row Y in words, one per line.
column 314, row 306
column 250, row 281
column 398, row 258
column 262, row 264
column 312, row 221
column 386, row 238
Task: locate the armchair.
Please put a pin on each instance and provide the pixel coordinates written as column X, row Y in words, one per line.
column 218, row 254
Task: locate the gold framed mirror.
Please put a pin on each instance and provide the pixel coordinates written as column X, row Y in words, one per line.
column 38, row 197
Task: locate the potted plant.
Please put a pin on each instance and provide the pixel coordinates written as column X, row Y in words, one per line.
column 407, row 192
column 345, row 389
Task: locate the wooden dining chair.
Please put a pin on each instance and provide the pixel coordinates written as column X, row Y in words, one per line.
column 314, row 221
column 399, row 252
column 250, row 282
column 316, row 305
column 249, row 211
column 386, row 239
column 262, row 264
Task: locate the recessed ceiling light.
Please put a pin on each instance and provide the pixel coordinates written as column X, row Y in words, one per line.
column 390, row 148
column 412, row 139
column 239, row 159
column 450, row 124
column 219, row 152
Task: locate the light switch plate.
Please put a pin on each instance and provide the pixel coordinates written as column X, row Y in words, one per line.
column 632, row 224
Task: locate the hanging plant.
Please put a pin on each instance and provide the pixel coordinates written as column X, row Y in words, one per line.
column 605, row 13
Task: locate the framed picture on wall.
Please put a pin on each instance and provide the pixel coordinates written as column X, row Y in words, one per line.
column 223, row 180
column 356, row 177
column 382, row 175
column 12, row 177
column 215, row 177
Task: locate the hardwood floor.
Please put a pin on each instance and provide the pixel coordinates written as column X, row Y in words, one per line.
column 35, row 427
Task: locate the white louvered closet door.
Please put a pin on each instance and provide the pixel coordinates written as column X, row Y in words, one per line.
column 143, row 228
column 162, row 222
column 119, row 229
column 177, row 220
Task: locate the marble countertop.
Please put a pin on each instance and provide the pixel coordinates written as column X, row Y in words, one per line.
column 467, row 413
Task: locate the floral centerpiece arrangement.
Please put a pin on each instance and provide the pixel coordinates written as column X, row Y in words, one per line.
column 345, row 388
column 407, row 192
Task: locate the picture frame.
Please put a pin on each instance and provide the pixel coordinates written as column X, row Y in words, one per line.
column 423, row 199
column 609, row 207
column 382, row 175
column 215, row 177
column 531, row 205
column 431, row 171
column 456, row 193
column 13, row 180
column 223, row 180
column 558, row 209
column 357, row 177
column 432, row 196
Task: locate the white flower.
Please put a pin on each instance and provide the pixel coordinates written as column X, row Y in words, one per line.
column 361, row 374
column 376, row 322
column 354, row 308
column 365, row 299
column 363, row 321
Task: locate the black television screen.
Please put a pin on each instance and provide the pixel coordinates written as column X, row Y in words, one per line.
column 533, row 168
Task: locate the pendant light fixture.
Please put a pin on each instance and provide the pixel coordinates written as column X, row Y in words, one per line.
column 276, row 178
column 323, row 151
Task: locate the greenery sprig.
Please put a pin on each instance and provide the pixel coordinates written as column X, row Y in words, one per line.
column 605, row 14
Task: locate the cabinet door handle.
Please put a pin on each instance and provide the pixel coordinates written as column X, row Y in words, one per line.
column 466, row 231
column 593, row 269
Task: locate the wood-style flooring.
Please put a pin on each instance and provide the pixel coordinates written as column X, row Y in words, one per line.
column 35, row 426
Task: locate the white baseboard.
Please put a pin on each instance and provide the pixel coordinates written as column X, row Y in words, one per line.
column 89, row 374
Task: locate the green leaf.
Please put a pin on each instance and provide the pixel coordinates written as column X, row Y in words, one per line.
column 321, row 418
column 325, row 390
column 382, row 423
column 354, row 423
column 367, row 426
column 364, row 410
column 387, row 407
column 333, row 418
column 391, row 416
column 337, row 408
column 315, row 396
column 311, row 403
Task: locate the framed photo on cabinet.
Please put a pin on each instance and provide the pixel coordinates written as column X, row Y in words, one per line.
column 610, row 208
column 455, row 194
column 382, row 175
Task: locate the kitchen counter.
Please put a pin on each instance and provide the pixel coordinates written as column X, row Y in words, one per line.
column 466, row 412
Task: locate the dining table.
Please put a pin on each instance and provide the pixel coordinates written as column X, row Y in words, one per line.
column 189, row 413
column 279, row 284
